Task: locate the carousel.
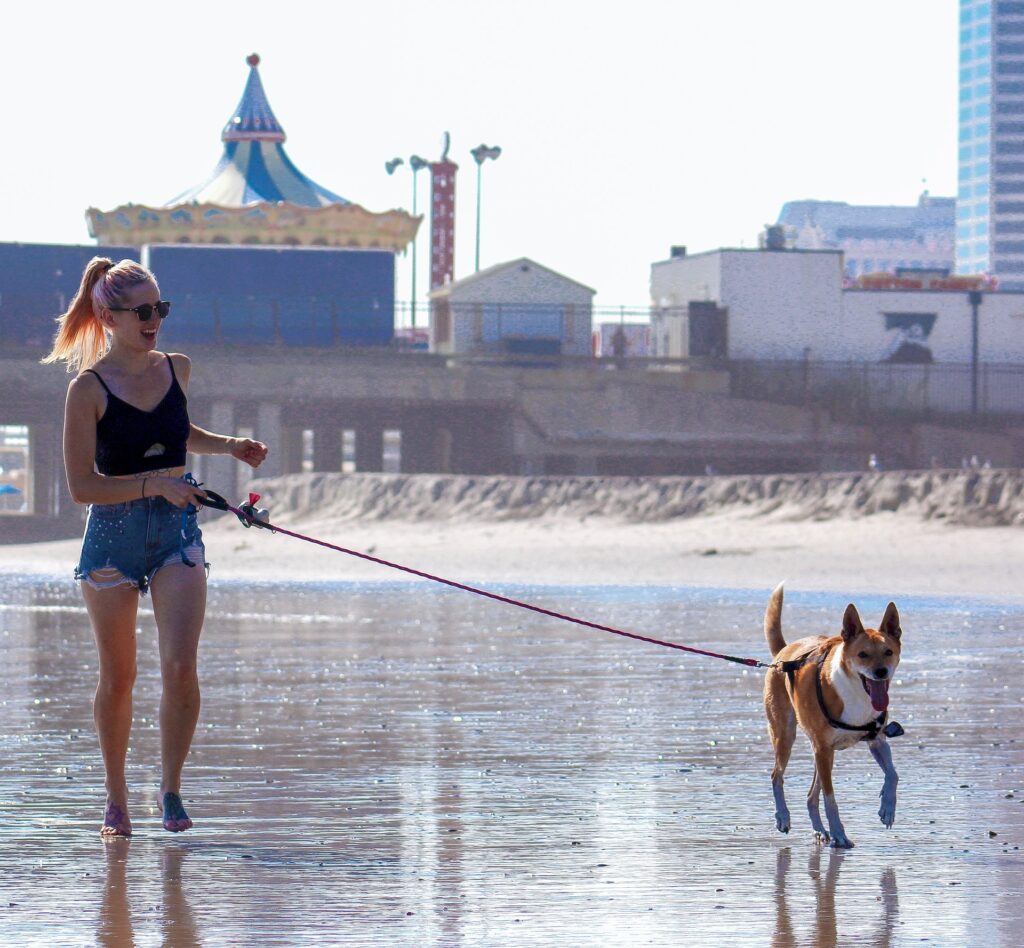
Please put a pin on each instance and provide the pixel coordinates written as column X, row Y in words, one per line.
column 255, row 195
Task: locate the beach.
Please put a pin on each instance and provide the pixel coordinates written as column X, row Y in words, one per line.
column 385, row 760
column 949, row 533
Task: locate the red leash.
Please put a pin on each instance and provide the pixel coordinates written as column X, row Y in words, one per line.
column 247, row 515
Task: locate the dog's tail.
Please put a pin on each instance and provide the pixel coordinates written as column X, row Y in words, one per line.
column 773, row 621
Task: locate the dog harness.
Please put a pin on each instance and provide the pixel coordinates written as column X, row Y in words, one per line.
column 871, row 730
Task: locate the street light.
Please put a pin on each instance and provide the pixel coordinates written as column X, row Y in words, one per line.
column 480, row 154
column 974, row 297
column 417, row 164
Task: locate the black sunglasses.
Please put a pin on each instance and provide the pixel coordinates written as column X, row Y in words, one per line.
column 146, row 310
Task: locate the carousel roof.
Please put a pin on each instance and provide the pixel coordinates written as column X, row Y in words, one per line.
column 255, row 167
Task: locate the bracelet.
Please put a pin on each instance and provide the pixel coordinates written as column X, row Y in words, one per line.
column 144, row 487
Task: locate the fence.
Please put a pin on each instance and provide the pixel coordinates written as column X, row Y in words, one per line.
column 865, row 389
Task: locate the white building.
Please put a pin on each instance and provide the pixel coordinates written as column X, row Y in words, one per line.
column 791, row 305
column 514, row 307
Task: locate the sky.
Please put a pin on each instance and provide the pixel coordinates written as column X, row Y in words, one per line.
column 625, row 128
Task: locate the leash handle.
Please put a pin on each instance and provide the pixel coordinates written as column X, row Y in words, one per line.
column 214, row 500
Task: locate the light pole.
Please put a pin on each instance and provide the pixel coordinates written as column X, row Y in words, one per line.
column 480, row 154
column 974, row 297
column 417, row 164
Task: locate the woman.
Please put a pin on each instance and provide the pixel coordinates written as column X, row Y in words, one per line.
column 126, row 432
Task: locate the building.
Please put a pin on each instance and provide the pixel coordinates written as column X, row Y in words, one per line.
column 875, row 237
column 293, row 296
column 794, row 305
column 255, row 195
column 37, row 282
column 518, row 307
column 990, row 198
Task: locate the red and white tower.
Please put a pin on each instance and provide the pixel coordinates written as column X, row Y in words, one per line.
column 442, row 219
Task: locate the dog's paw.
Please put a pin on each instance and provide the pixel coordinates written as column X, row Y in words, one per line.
column 782, row 822
column 842, row 841
column 887, row 811
column 822, row 838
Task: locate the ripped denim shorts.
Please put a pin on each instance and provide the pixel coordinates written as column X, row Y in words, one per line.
column 129, row 542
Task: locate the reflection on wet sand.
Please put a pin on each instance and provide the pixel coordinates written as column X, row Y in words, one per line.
column 114, row 925
column 114, row 928
column 823, row 920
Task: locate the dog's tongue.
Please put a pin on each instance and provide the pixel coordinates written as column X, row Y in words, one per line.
column 878, row 691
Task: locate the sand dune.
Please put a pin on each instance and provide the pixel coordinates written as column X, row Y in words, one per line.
column 987, row 497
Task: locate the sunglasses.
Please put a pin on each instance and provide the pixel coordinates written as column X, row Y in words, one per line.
column 146, row 310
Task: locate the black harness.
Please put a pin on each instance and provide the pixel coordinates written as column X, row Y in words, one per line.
column 871, row 730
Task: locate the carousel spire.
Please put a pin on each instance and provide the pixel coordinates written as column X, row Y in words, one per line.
column 253, row 119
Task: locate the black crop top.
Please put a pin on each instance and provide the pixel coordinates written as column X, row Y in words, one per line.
column 132, row 441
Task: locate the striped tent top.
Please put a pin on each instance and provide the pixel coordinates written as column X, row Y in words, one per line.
column 255, row 167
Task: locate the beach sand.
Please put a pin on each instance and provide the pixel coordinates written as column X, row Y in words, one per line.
column 886, row 554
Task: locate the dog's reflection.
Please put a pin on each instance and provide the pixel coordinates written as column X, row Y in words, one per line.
column 825, row 934
column 114, row 928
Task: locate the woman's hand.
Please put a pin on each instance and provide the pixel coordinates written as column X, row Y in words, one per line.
column 249, row 451
column 176, row 490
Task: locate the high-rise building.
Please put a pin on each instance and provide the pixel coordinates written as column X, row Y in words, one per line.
column 874, row 237
column 990, row 196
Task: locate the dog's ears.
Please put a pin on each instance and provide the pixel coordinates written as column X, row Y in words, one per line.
column 891, row 622
column 852, row 626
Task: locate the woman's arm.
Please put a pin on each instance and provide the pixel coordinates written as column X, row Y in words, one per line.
column 201, row 441
column 88, row 487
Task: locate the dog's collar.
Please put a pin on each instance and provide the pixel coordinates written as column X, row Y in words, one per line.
column 871, row 730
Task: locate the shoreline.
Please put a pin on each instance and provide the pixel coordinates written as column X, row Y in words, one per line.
column 887, row 554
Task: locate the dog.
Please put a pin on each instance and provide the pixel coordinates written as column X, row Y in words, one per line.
column 837, row 690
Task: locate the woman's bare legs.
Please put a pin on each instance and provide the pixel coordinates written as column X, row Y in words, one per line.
column 179, row 603
column 113, row 613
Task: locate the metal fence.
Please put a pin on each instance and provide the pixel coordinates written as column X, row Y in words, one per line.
column 864, row 389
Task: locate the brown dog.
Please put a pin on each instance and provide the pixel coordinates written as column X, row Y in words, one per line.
column 837, row 689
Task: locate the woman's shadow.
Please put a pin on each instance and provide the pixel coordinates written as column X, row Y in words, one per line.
column 115, row 927
column 825, row 933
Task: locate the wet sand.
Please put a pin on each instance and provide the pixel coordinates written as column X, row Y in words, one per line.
column 397, row 763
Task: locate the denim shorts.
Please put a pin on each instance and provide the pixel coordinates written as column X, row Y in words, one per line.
column 129, row 542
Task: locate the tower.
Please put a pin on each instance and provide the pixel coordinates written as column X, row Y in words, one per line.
column 990, row 196
column 442, row 218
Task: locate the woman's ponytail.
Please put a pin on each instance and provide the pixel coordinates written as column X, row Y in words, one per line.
column 81, row 339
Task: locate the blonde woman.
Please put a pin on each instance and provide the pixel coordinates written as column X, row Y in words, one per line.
column 126, row 433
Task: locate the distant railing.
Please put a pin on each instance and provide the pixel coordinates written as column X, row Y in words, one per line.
column 865, row 389
column 326, row 322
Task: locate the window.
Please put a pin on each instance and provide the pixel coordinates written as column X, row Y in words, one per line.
column 15, row 479
column 348, row 451
column 392, row 451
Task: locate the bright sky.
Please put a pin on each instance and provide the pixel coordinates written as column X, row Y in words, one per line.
column 625, row 127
